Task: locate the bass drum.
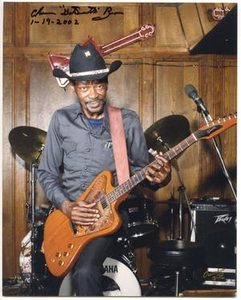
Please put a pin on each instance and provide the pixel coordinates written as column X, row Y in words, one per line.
column 119, row 280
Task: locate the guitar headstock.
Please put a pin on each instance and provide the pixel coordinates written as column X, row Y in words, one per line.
column 146, row 31
column 216, row 127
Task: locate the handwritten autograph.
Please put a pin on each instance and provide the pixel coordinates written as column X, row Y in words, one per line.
column 101, row 13
column 214, row 275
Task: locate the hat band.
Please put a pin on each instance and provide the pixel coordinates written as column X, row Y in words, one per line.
column 101, row 71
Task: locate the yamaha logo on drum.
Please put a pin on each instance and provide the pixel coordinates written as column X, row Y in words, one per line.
column 111, row 268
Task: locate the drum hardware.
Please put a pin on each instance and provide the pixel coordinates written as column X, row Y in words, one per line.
column 34, row 281
column 175, row 253
column 182, row 192
column 45, row 283
column 162, row 136
column 28, row 143
column 175, row 265
column 127, row 252
column 173, row 206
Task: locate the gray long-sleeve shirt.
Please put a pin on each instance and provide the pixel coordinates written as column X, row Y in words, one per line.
column 82, row 152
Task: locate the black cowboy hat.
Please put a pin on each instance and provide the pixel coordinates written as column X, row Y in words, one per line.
column 86, row 63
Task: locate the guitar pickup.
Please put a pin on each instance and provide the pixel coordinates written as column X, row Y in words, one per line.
column 103, row 203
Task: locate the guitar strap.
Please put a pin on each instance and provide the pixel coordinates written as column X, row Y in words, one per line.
column 119, row 143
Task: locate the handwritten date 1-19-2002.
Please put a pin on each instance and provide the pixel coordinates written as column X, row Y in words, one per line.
column 48, row 21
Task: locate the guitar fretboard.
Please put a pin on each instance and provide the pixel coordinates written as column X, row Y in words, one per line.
column 179, row 148
column 141, row 175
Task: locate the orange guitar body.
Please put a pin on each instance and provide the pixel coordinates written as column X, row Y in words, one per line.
column 64, row 241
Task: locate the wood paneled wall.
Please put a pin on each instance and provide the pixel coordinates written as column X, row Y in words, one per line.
column 151, row 82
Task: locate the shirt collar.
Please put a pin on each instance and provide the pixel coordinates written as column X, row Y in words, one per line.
column 79, row 111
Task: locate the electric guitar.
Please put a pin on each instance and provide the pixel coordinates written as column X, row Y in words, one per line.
column 141, row 34
column 64, row 241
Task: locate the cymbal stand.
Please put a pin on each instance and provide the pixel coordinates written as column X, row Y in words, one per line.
column 34, row 281
column 182, row 198
column 172, row 220
column 181, row 190
column 166, row 248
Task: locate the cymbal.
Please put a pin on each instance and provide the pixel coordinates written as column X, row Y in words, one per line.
column 167, row 132
column 27, row 142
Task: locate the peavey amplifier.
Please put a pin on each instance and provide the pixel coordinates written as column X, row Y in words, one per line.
column 215, row 227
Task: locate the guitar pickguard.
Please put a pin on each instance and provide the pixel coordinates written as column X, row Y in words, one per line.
column 97, row 194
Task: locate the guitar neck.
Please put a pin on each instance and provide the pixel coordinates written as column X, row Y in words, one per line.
column 179, row 148
column 139, row 176
column 205, row 132
column 145, row 32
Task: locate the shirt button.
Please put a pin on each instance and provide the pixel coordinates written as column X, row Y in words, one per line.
column 88, row 150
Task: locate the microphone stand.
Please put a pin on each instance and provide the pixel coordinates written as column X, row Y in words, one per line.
column 209, row 119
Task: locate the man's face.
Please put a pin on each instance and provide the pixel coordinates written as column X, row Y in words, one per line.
column 92, row 96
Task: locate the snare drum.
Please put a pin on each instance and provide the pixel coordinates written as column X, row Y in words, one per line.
column 119, row 280
column 142, row 220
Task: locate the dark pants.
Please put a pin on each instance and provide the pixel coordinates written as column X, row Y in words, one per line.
column 88, row 270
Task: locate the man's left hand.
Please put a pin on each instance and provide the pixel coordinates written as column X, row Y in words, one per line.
column 158, row 171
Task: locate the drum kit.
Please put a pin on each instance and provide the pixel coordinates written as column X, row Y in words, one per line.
column 120, row 270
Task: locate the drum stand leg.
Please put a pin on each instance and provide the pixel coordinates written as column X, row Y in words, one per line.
column 35, row 284
column 33, row 278
column 177, row 284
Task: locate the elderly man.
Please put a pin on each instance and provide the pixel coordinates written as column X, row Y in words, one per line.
column 79, row 143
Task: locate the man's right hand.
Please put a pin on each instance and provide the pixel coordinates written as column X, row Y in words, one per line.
column 80, row 213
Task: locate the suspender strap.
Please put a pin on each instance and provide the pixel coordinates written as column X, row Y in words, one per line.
column 119, row 144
